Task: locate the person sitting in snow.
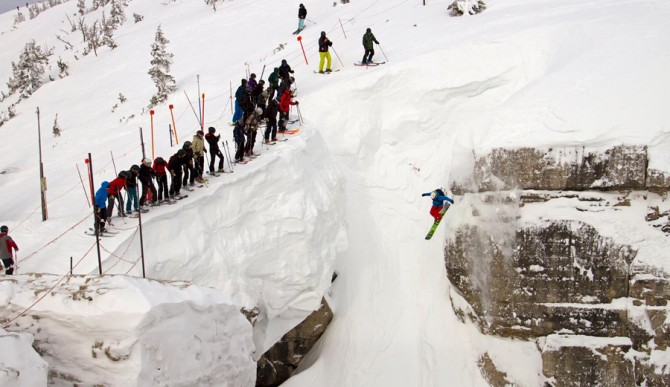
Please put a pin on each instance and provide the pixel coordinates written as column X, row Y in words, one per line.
column 441, row 203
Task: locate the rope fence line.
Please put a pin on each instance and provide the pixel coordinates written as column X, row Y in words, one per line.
column 119, row 258
column 6, row 324
column 23, row 260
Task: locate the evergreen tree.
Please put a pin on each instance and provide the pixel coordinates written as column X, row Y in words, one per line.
column 81, row 7
column 28, row 74
column 161, row 60
column 108, row 32
column 117, row 16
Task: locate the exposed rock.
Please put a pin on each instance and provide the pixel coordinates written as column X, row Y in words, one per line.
column 590, row 361
column 565, row 168
column 491, row 373
column 278, row 363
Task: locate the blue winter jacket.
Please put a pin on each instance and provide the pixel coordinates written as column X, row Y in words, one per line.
column 101, row 195
column 439, row 199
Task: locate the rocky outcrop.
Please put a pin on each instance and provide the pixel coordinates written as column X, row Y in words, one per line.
column 278, row 363
column 545, row 253
column 564, row 169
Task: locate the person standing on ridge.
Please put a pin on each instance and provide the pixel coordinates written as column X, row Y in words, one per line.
column 324, row 43
column 368, row 40
column 239, row 95
column 114, row 193
column 160, row 171
column 441, row 203
column 147, row 180
column 6, row 246
column 199, row 155
column 285, row 72
column 302, row 14
column 238, row 136
column 214, row 151
column 284, row 107
column 131, row 189
column 100, row 202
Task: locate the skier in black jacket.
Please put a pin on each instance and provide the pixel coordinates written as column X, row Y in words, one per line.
column 302, row 14
column 271, row 114
column 285, row 71
column 175, row 165
column 146, row 178
column 214, row 151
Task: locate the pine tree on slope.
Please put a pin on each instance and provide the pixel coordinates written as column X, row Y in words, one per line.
column 160, row 67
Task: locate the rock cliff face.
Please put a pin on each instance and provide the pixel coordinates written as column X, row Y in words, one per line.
column 569, row 248
column 278, row 363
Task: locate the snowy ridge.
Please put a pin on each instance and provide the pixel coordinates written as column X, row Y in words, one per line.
column 345, row 194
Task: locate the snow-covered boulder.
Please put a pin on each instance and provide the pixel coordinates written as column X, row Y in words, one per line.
column 20, row 365
column 125, row 331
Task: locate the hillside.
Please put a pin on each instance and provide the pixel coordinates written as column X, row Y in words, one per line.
column 344, row 194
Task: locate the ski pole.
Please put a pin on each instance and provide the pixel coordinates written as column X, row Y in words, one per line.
column 113, row 163
column 230, row 163
column 192, row 108
column 82, row 186
column 380, row 49
column 338, row 57
column 299, row 114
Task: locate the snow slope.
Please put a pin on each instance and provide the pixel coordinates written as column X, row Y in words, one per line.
column 344, row 194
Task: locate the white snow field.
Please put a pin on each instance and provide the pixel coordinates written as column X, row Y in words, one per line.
column 342, row 195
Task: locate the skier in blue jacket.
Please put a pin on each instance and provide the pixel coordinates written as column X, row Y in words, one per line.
column 101, row 206
column 441, row 203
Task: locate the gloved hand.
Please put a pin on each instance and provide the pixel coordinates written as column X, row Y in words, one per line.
column 172, row 173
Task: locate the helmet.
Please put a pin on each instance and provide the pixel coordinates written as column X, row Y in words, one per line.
column 264, row 94
column 187, row 144
column 211, row 129
column 252, row 75
column 200, row 133
column 124, row 174
column 146, row 162
column 4, row 229
column 323, row 33
column 368, row 30
column 181, row 153
column 433, row 194
column 258, row 111
column 135, row 168
column 283, row 61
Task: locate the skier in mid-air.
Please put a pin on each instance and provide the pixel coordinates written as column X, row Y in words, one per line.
column 441, row 203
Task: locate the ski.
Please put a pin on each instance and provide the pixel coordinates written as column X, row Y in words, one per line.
column 368, row 64
column 189, row 189
column 292, row 121
column 213, row 174
column 326, row 72
column 180, row 197
column 299, row 30
column 91, row 229
column 103, row 235
column 434, row 226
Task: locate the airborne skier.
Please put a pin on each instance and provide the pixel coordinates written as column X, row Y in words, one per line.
column 441, row 204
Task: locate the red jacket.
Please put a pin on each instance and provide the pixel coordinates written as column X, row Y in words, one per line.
column 6, row 253
column 285, row 101
column 116, row 185
column 159, row 167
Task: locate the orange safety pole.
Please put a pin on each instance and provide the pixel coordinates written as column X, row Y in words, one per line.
column 303, row 49
column 202, row 121
column 174, row 126
column 151, row 113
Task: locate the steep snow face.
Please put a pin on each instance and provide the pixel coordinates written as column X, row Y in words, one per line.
column 20, row 365
column 126, row 331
